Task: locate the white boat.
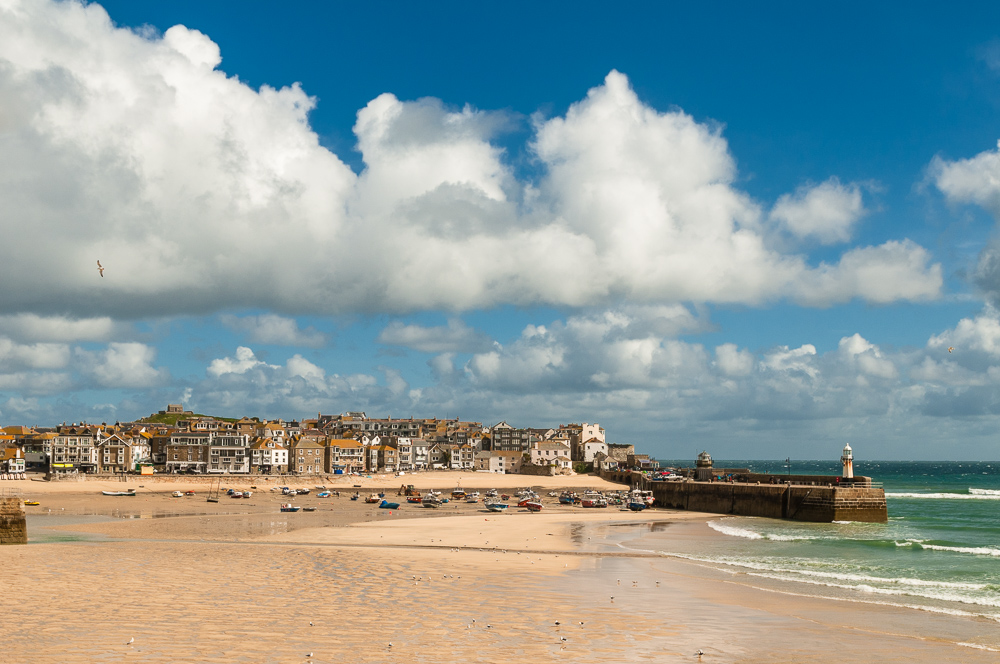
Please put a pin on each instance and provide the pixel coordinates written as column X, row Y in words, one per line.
column 642, row 496
column 288, row 507
column 177, row 494
column 431, row 500
column 472, row 497
column 496, row 507
column 127, row 492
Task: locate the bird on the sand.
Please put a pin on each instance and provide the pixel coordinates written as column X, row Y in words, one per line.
column 700, row 652
column 951, row 348
column 100, row 268
column 130, row 641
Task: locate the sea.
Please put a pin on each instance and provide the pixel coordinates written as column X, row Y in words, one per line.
column 939, row 552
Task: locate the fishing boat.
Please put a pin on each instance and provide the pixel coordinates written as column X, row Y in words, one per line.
column 304, row 490
column 496, row 507
column 356, row 496
column 492, row 493
column 593, row 498
column 236, row 494
column 288, row 507
column 567, row 498
column 323, row 494
column 636, row 505
column 308, row 509
column 458, row 492
column 431, row 500
column 386, row 505
column 31, row 502
column 127, row 492
column 176, row 494
column 414, row 499
column 372, row 499
column 472, row 497
column 642, row 495
column 189, row 492
column 533, row 506
column 247, row 494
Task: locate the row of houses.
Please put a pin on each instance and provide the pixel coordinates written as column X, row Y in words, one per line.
column 346, row 443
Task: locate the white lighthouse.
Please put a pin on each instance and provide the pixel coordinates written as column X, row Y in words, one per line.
column 847, row 458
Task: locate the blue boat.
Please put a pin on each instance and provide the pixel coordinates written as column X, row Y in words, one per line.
column 496, row 507
column 636, row 505
column 386, row 505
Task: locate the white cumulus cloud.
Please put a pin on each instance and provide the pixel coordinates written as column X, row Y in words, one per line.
column 827, row 211
column 274, row 329
column 455, row 337
column 138, row 150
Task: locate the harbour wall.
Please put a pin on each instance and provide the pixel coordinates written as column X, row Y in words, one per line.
column 13, row 529
column 799, row 502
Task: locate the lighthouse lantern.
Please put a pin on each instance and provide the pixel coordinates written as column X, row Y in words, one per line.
column 847, row 459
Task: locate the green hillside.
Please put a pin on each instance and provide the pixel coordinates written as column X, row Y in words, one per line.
column 171, row 418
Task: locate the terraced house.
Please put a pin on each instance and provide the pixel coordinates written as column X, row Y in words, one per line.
column 307, row 457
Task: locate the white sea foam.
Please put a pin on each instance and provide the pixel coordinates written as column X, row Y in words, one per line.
column 919, row 607
column 736, row 531
column 733, row 531
column 984, row 492
column 974, row 550
column 925, row 593
column 947, row 496
column 978, row 646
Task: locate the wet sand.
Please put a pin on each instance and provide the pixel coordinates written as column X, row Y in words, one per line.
column 238, row 581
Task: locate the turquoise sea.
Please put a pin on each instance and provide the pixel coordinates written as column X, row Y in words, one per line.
column 939, row 552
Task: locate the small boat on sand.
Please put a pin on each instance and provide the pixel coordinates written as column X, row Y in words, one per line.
column 431, row 500
column 472, row 497
column 386, row 505
column 567, row 498
column 127, row 492
column 372, row 499
column 413, row 499
column 308, row 509
column 288, row 507
column 176, row 494
column 189, row 492
column 496, row 507
column 31, row 502
column 533, row 506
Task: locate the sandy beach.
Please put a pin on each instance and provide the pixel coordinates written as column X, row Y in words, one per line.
column 239, row 581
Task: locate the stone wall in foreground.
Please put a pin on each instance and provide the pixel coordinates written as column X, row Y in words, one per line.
column 13, row 529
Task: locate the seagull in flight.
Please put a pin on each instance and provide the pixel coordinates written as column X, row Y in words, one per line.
column 951, row 348
column 100, row 268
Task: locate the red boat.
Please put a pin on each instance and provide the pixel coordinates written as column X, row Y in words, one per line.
column 533, row 506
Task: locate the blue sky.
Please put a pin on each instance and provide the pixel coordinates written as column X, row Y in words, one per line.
column 752, row 230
